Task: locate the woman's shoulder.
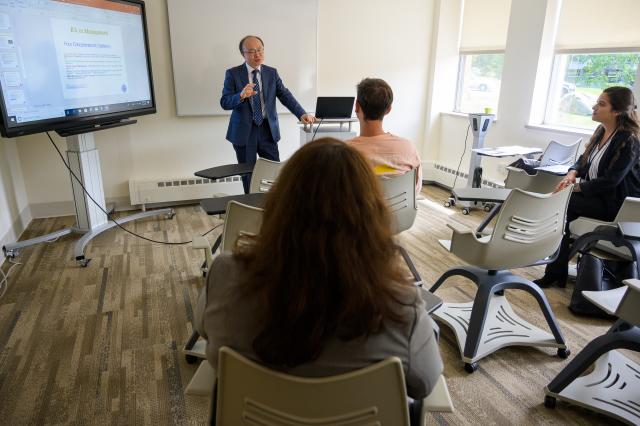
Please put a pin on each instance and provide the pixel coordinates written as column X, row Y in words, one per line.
column 225, row 271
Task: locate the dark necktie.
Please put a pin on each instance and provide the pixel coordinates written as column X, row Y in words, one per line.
column 255, row 100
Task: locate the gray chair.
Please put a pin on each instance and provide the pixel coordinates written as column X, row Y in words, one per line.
column 629, row 212
column 400, row 195
column 528, row 231
column 250, row 394
column 240, row 219
column 613, row 387
column 560, row 154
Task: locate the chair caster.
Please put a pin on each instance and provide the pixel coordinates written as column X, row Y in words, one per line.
column 549, row 401
column 470, row 367
column 564, row 353
column 84, row 262
column 191, row 359
column 465, row 211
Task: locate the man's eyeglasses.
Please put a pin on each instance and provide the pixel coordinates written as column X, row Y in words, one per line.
column 254, row 51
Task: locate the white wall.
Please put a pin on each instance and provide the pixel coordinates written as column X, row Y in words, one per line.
column 14, row 209
column 525, row 78
column 359, row 38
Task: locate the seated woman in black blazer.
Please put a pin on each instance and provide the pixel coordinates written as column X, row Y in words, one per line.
column 608, row 169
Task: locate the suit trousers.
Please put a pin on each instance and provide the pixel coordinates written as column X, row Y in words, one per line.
column 260, row 143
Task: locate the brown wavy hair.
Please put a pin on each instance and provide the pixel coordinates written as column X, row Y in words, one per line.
column 623, row 102
column 325, row 263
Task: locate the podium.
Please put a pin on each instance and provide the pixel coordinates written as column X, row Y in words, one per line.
column 84, row 160
column 338, row 128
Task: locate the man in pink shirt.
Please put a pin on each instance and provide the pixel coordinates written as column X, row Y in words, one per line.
column 389, row 154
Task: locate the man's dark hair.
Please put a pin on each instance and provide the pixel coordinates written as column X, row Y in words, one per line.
column 245, row 38
column 375, row 98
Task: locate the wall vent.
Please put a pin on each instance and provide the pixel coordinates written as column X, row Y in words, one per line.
column 147, row 191
column 445, row 176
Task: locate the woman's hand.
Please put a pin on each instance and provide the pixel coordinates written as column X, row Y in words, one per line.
column 569, row 179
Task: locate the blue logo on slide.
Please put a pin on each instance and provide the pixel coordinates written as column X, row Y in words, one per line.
column 123, row 88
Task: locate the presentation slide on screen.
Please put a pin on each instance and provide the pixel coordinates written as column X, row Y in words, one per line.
column 90, row 59
column 70, row 58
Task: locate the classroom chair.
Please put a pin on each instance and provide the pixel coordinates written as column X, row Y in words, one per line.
column 527, row 232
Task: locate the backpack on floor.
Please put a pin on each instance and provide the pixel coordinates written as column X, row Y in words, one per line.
column 596, row 274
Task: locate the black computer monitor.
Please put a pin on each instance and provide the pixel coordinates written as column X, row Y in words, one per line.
column 72, row 64
column 334, row 106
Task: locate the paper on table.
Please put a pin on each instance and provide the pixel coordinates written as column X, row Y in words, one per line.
column 507, row 151
column 556, row 169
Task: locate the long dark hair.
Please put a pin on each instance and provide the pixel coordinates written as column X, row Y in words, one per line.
column 325, row 263
column 623, row 102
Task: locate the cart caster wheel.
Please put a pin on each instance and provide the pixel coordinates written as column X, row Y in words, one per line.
column 465, row 211
column 84, row 262
column 447, row 203
column 470, row 368
column 564, row 353
column 487, row 207
column 170, row 215
column 191, row 359
column 549, row 401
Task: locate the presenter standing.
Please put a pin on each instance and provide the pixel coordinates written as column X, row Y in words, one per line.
column 250, row 91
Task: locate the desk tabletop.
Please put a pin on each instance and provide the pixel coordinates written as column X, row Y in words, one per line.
column 489, row 195
column 219, row 205
column 227, row 170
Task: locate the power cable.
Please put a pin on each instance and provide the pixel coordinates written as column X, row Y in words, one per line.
column 105, row 212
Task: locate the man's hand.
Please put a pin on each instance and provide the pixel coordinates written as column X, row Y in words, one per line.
column 248, row 91
column 308, row 119
column 569, row 179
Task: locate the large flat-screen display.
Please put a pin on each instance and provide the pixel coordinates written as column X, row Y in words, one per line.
column 68, row 64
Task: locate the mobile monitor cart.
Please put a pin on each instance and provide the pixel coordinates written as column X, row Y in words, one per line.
column 479, row 126
column 91, row 220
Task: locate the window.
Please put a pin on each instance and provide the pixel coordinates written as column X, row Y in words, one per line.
column 483, row 37
column 479, row 77
column 579, row 78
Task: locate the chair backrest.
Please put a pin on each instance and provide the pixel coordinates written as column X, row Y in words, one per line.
column 629, row 308
column 528, row 229
column 629, row 211
column 264, row 175
column 557, row 153
column 400, row 194
column 250, row 394
column 240, row 219
column 541, row 182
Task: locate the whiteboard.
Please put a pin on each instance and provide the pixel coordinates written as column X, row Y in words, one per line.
column 204, row 44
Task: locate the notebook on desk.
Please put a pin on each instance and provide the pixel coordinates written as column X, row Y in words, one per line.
column 334, row 106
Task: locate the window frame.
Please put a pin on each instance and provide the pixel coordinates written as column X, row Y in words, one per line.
column 554, row 80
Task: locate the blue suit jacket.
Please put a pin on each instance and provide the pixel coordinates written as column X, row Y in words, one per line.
column 235, row 80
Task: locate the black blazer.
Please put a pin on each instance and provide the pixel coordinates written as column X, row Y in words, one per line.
column 618, row 175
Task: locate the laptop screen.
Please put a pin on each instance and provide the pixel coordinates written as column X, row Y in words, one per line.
column 334, row 106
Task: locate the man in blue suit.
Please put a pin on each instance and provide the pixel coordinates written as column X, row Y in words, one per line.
column 250, row 91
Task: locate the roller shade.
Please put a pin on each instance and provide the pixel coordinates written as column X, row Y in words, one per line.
column 484, row 25
column 598, row 24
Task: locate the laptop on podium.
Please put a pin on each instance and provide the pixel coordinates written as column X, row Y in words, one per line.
column 334, row 107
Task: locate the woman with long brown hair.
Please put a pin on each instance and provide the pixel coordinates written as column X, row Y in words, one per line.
column 609, row 170
column 321, row 290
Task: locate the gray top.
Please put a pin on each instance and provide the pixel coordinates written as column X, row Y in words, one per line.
column 226, row 320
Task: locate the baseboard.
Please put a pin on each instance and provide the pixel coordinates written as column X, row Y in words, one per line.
column 65, row 208
column 17, row 228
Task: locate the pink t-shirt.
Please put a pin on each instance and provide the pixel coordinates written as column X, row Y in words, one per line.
column 390, row 155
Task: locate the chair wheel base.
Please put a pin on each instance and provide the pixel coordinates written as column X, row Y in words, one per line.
column 564, row 353
column 470, row 367
column 549, row 401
